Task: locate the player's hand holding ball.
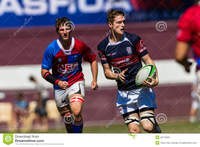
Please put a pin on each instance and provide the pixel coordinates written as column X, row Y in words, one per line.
column 147, row 76
column 151, row 82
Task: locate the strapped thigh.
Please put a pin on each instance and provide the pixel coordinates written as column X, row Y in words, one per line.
column 76, row 98
column 148, row 116
column 131, row 119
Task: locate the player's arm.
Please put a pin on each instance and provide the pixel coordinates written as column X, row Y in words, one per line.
column 51, row 79
column 94, row 69
column 151, row 82
column 113, row 76
column 47, row 62
column 90, row 57
column 186, row 27
column 181, row 53
column 106, row 67
column 143, row 54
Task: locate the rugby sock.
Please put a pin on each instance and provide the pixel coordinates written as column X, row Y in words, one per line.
column 77, row 126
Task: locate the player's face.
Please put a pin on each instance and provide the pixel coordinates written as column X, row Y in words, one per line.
column 118, row 25
column 65, row 31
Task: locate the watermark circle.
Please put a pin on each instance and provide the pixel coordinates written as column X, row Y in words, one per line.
column 161, row 118
column 161, row 26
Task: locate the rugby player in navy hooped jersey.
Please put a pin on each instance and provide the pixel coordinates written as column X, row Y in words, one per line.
column 64, row 57
column 121, row 55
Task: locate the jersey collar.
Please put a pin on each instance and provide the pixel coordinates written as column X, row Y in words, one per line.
column 123, row 39
column 62, row 48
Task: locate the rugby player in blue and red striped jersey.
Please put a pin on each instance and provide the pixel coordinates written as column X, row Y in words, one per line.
column 64, row 56
column 121, row 55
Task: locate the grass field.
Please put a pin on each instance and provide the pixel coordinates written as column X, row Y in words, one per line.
column 175, row 127
column 172, row 127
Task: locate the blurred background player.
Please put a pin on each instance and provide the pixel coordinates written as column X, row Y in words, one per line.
column 123, row 52
column 41, row 114
column 64, row 57
column 189, row 36
column 41, row 90
column 21, row 110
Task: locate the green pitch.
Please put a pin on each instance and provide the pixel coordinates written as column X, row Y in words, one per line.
column 172, row 127
column 175, row 127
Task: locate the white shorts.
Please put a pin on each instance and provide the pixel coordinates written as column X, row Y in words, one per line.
column 129, row 101
column 62, row 96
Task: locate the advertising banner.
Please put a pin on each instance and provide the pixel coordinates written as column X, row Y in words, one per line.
column 16, row 13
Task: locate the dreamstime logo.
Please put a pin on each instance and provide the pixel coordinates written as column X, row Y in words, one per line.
column 132, row 135
column 7, row 139
column 161, row 118
column 161, row 26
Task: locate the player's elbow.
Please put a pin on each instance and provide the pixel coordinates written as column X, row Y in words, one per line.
column 181, row 51
column 94, row 65
column 107, row 75
column 157, row 81
column 178, row 58
column 94, row 62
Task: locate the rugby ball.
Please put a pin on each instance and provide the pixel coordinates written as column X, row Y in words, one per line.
column 146, row 71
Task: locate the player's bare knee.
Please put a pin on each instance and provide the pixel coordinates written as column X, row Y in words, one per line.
column 76, row 113
column 76, row 109
column 147, row 126
column 148, row 122
column 134, row 129
column 132, row 123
